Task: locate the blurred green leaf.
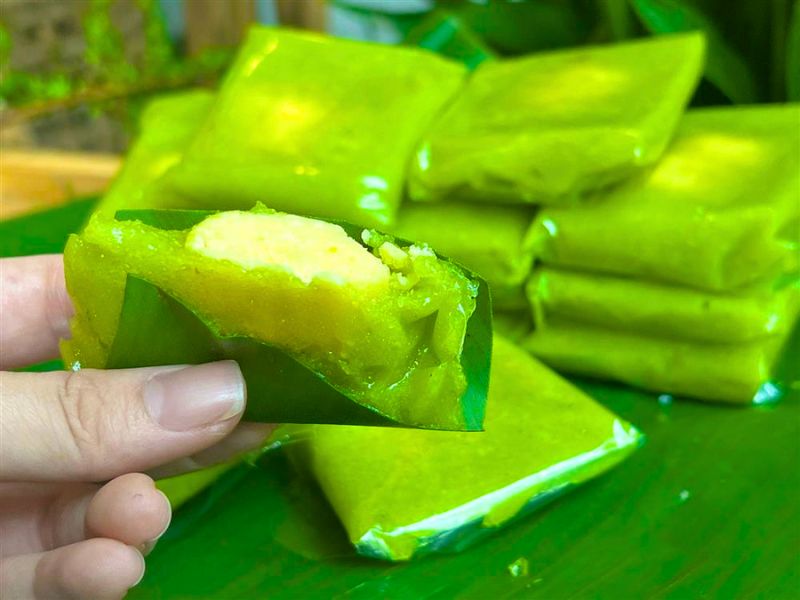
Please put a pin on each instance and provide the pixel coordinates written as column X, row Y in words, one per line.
column 618, row 16
column 5, row 46
column 793, row 55
column 159, row 53
column 445, row 33
column 43, row 232
column 110, row 82
column 521, row 27
column 725, row 67
column 105, row 46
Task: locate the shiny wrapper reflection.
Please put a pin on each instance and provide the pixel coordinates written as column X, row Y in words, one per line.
column 401, row 494
column 543, row 129
column 315, row 125
column 685, row 279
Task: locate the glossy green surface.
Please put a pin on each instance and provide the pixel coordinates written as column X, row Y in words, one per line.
column 492, row 241
column 722, row 372
column 709, row 507
column 719, row 212
column 662, row 310
column 543, row 128
column 542, row 437
column 320, row 126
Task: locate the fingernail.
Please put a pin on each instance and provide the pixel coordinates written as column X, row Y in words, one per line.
column 196, row 396
column 141, row 557
column 148, row 546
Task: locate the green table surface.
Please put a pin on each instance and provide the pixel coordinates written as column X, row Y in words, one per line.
column 710, row 507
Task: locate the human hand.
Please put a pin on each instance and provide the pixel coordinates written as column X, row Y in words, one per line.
column 61, row 534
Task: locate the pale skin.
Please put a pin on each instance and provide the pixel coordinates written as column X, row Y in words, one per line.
column 78, row 451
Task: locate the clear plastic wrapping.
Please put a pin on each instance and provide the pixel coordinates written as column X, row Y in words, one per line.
column 722, row 372
column 492, row 241
column 401, row 494
column 688, row 280
column 544, row 128
column 721, row 211
column 315, row 125
column 663, row 310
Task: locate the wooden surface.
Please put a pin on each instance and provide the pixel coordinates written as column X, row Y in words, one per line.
column 35, row 180
column 303, row 14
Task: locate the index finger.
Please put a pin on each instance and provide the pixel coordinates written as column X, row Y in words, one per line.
column 34, row 309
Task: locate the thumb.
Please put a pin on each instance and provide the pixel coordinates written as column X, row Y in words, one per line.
column 92, row 425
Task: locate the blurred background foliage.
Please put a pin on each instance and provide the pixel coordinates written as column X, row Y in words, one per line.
column 116, row 53
column 753, row 46
column 105, row 52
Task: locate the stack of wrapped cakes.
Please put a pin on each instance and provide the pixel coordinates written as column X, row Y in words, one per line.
column 665, row 245
column 683, row 279
column 622, row 237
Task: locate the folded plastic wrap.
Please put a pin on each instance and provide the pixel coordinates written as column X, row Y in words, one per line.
column 401, row 494
column 166, row 127
column 662, row 310
column 734, row 372
column 492, row 241
column 357, row 328
column 315, row 125
column 542, row 129
column 720, row 211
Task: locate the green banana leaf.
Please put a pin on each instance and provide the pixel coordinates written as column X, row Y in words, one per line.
column 513, row 28
column 793, row 55
column 708, row 507
column 181, row 488
column 725, row 67
column 280, row 388
column 445, row 33
column 44, row 232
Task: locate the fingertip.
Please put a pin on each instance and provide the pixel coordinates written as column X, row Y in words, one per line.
column 97, row 568
column 129, row 509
